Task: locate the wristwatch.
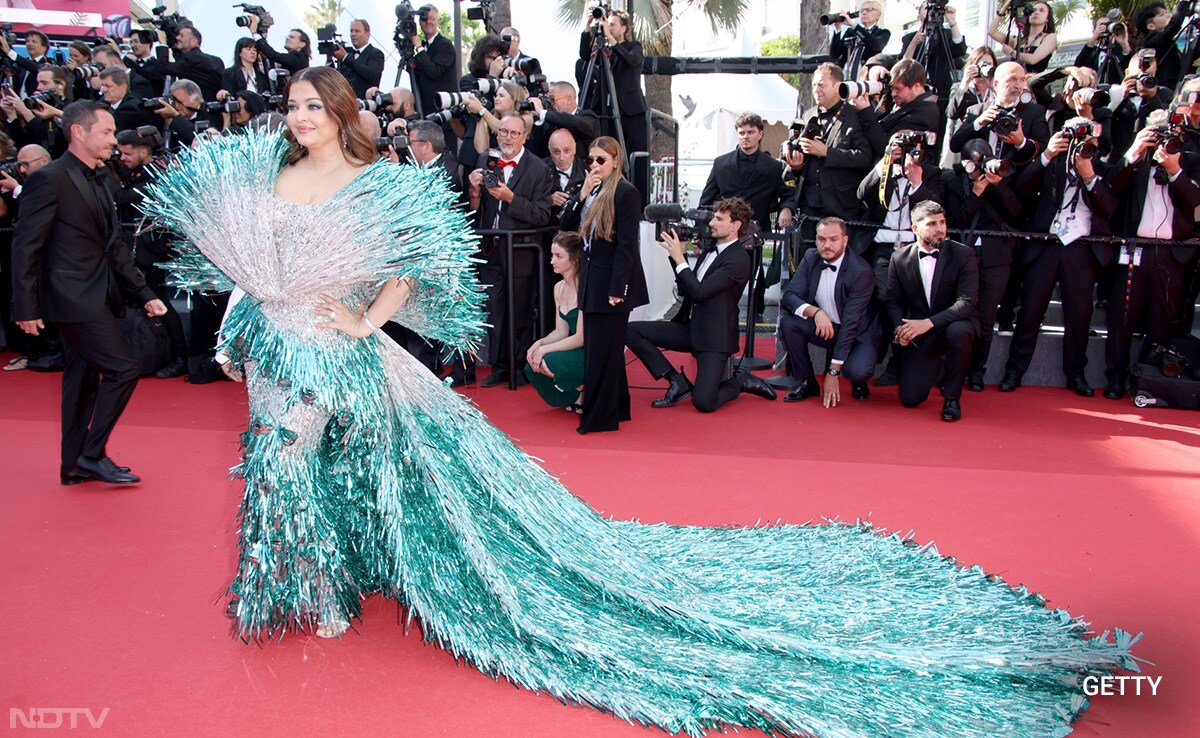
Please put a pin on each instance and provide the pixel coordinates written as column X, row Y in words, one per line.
column 834, row 372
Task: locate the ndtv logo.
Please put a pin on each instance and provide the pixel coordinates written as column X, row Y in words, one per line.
column 53, row 717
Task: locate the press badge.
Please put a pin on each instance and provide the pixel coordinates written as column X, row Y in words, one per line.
column 1137, row 257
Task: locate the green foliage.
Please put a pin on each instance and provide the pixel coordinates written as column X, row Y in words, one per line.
column 784, row 46
column 324, row 11
column 1064, row 10
column 651, row 18
column 472, row 30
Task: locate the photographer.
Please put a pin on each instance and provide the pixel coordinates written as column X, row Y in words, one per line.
column 1143, row 95
column 26, row 67
column 944, row 51
column 1108, row 51
column 1158, row 28
column 110, row 56
column 569, row 169
column 297, row 48
column 1034, row 41
column 428, row 148
column 433, row 61
column 127, row 110
column 362, row 64
column 974, row 89
column 513, row 50
column 505, row 103
column 1072, row 201
column 193, row 64
column 183, row 111
column 36, row 120
column 250, row 105
column 245, row 73
column 979, row 197
column 150, row 247
column 863, row 31
column 1158, row 186
column 487, row 56
column 79, row 57
column 1013, row 129
column 564, row 113
column 145, row 59
column 627, row 57
column 914, row 107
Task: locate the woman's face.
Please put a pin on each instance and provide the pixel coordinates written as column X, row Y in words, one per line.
column 307, row 117
column 504, row 102
column 1040, row 15
column 78, row 59
column 560, row 261
column 248, row 55
column 602, row 162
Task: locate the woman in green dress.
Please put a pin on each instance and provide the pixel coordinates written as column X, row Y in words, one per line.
column 555, row 363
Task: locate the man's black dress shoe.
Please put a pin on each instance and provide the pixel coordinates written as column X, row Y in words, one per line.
column 72, row 477
column 496, row 378
column 104, row 470
column 1115, row 389
column 975, row 382
column 680, row 389
column 887, row 379
column 807, row 388
column 460, row 380
column 1009, row 383
column 757, row 386
column 176, row 367
column 860, row 390
column 1079, row 385
column 951, row 411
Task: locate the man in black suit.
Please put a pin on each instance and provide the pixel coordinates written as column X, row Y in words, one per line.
column 520, row 200
column 863, row 34
column 916, row 107
column 942, row 57
column 71, row 267
column 145, row 61
column 297, row 48
column 582, row 124
column 626, row 56
column 1159, row 28
column 828, row 303
column 25, row 77
column 427, row 146
column 932, row 288
column 1072, row 201
column 362, row 63
column 433, row 62
column 1026, row 141
column 127, row 110
column 707, row 324
column 752, row 174
column 569, row 168
column 1160, row 193
column 192, row 63
column 834, row 155
column 1107, row 52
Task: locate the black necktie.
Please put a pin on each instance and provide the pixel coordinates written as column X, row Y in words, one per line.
column 933, row 253
column 827, row 265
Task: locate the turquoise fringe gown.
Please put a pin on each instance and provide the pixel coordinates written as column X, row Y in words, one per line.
column 363, row 473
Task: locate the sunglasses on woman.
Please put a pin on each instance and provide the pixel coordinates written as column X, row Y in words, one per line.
column 597, row 160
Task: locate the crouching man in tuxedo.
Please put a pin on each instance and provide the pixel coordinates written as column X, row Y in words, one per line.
column 707, row 324
column 932, row 296
column 828, row 303
column 71, row 267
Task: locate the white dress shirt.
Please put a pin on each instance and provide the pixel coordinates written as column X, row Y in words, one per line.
column 825, row 297
column 706, row 260
column 927, row 266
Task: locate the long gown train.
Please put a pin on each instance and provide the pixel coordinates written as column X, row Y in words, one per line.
column 364, row 473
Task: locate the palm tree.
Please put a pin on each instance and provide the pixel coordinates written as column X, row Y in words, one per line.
column 324, row 11
column 1063, row 10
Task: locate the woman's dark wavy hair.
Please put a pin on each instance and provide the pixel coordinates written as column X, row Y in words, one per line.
column 342, row 106
column 477, row 64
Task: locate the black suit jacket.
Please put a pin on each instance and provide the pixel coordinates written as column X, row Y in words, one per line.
column 203, row 69
column 872, row 39
column 25, row 76
column 843, row 168
column 363, row 71
column 70, row 263
column 941, row 71
column 129, row 113
column 434, row 64
column 710, row 307
column 584, row 126
column 955, row 286
column 292, row 61
column 153, row 70
column 763, row 186
column 1033, row 123
column 233, row 80
column 921, row 114
column 852, row 291
column 532, row 184
column 611, row 267
column 626, row 58
column 1046, row 186
column 1132, row 182
column 1089, row 56
column 998, row 209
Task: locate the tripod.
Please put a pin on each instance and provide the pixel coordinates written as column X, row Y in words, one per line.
column 1110, row 71
column 603, row 97
column 934, row 51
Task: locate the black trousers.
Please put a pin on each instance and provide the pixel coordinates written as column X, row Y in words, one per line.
column 992, row 282
column 605, row 385
column 98, row 380
column 1075, row 269
column 920, row 361
column 711, row 390
column 205, row 320
column 1155, row 294
column 798, row 333
column 491, row 273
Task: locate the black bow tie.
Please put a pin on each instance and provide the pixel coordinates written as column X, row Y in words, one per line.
column 933, row 253
column 97, row 174
column 827, row 265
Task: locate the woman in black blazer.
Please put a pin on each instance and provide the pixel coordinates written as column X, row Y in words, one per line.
column 244, row 70
column 606, row 212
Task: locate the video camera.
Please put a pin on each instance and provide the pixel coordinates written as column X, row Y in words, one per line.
column 483, row 12
column 168, row 23
column 406, row 28
column 328, row 39
column 935, row 16
column 671, row 217
column 265, row 21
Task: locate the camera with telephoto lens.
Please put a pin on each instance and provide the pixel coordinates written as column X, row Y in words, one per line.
column 977, row 157
column 265, row 21
column 384, row 100
column 155, row 103
column 45, row 97
column 328, row 39
column 914, row 143
column 169, row 23
column 526, row 106
column 850, row 90
column 524, row 64
column 444, row 116
column 829, row 18
column 1116, row 27
column 231, row 105
column 9, row 167
column 399, row 143
column 1081, row 133
column 451, row 99
column 88, row 71
column 1097, row 97
column 599, row 13
column 985, row 68
column 492, row 177
column 371, row 105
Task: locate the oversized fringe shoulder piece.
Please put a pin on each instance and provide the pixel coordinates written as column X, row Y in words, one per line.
column 390, row 221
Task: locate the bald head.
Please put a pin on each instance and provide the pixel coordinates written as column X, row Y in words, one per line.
column 1009, row 82
column 562, row 148
column 403, row 102
column 32, row 158
column 369, row 123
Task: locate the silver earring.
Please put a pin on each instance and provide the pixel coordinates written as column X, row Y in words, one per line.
column 345, row 140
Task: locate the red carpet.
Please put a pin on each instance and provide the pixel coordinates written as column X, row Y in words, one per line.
column 112, row 595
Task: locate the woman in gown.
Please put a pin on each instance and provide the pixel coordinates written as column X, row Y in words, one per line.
column 363, row 473
column 554, row 363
